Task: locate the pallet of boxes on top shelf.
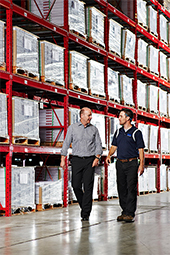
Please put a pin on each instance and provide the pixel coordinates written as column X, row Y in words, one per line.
column 51, row 63
column 115, row 37
column 152, row 99
column 163, row 106
column 152, row 20
column 128, row 45
column 142, row 54
column 113, row 85
column 95, row 26
column 163, row 29
column 25, row 122
column 96, row 79
column 25, row 53
column 53, row 11
column 2, row 46
column 163, row 66
column 141, row 95
column 153, row 60
column 4, row 138
column 78, row 72
column 126, row 90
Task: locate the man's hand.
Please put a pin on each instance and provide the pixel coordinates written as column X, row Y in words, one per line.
column 62, row 163
column 95, row 162
column 141, row 169
column 108, row 160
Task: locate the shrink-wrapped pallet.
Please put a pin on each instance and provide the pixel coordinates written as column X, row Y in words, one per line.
column 76, row 13
column 163, row 102
column 48, row 192
column 98, row 182
column 168, row 177
column 112, row 181
column 113, row 126
column 128, row 45
column 23, row 187
column 2, row 186
column 168, row 68
column 163, row 66
column 152, row 98
column 95, row 25
column 25, row 119
column 113, row 85
column 169, row 140
column 74, row 115
column 152, row 20
column 145, row 132
column 48, row 173
column 141, row 95
column 2, row 45
column 163, row 28
column 115, row 37
column 52, row 118
column 151, row 178
column 3, row 118
column 25, row 53
column 126, row 87
column 143, row 181
column 153, row 138
column 78, row 71
column 164, row 140
column 98, row 120
column 168, row 104
column 153, row 59
column 163, row 186
column 142, row 53
column 96, row 78
column 52, row 63
column 142, row 13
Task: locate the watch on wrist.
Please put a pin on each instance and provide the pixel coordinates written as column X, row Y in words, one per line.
column 97, row 157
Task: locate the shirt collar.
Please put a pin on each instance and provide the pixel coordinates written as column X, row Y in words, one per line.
column 80, row 124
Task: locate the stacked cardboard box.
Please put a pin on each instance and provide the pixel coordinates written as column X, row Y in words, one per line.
column 141, row 95
column 113, row 85
column 126, row 90
column 2, row 45
column 152, row 98
column 115, row 37
column 128, row 45
column 142, row 53
column 163, row 102
column 152, row 20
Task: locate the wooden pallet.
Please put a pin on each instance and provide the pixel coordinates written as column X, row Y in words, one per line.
column 128, row 60
column 152, row 33
column 115, row 53
column 43, row 79
column 143, row 67
column 24, row 73
column 45, row 207
column 78, row 89
column 142, row 108
column 151, row 111
column 164, row 78
column 162, row 40
column 144, row 192
column 153, row 151
column 93, row 41
column 23, row 210
column 4, row 140
column 25, row 141
column 3, row 67
column 77, row 34
column 114, row 100
column 127, row 104
column 96, row 94
column 153, row 73
column 57, row 144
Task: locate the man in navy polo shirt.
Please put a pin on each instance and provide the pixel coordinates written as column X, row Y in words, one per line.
column 128, row 141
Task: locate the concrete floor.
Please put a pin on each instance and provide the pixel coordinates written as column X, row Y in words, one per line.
column 61, row 231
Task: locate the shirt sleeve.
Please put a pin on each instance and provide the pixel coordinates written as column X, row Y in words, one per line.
column 98, row 142
column 67, row 141
column 139, row 140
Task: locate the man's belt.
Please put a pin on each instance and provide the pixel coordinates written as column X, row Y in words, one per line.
column 127, row 160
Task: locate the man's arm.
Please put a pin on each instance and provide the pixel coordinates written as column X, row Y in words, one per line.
column 142, row 161
column 111, row 152
column 66, row 145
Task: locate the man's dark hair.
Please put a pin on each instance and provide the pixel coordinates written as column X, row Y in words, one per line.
column 128, row 113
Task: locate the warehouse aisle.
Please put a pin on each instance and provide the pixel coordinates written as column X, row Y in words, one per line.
column 61, row 231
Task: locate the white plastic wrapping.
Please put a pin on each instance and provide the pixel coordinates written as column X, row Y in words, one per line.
column 153, row 138
column 54, row 172
column 168, row 104
column 163, row 65
column 126, row 89
column 113, row 85
column 142, row 53
column 141, row 94
column 98, row 182
column 163, row 177
column 152, row 20
column 98, row 120
column 74, row 115
column 152, row 96
column 25, row 118
column 168, row 178
column 145, row 132
column 151, row 178
column 153, row 59
column 113, row 126
column 163, row 102
column 52, row 62
column 164, row 140
column 142, row 12
column 3, row 116
column 143, row 181
column 115, row 36
column 95, row 25
column 2, row 43
column 112, row 181
column 163, row 28
column 128, row 45
column 2, row 186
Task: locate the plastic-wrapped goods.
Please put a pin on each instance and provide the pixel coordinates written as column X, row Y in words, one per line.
column 153, row 59
column 112, row 181
column 78, row 70
column 98, row 182
column 164, row 140
column 98, row 120
column 76, row 13
column 152, row 20
column 169, row 140
column 23, row 187
column 48, row 192
column 128, row 45
column 126, row 90
column 141, row 95
column 145, row 132
column 48, row 173
column 163, row 66
column 25, row 52
column 168, row 104
column 142, row 53
column 95, row 25
column 152, row 98
column 115, row 37
column 163, row 28
column 2, row 45
column 168, row 178
column 113, row 126
column 52, row 63
column 142, row 13
column 96, row 77
column 53, row 118
column 25, row 118
column 74, row 115
column 151, row 178
column 163, row 102
column 153, row 138
column 163, row 177
column 2, row 186
column 3, row 116
column 168, row 68
column 113, row 85
column 143, row 181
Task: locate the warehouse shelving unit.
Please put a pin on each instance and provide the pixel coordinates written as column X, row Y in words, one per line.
column 14, row 84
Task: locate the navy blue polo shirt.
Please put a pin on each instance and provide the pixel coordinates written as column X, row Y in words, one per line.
column 128, row 142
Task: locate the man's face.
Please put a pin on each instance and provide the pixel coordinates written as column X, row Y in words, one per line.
column 86, row 116
column 123, row 118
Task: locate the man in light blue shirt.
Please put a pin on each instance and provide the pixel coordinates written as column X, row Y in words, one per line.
column 86, row 152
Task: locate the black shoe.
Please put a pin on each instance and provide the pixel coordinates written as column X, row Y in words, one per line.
column 85, row 218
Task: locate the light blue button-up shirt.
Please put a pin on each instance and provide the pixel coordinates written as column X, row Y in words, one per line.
column 85, row 141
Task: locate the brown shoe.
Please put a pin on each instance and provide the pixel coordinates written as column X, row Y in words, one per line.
column 129, row 218
column 121, row 217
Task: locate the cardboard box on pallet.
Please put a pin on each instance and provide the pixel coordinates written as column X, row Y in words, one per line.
column 141, row 95
column 145, row 132
column 153, row 59
column 25, row 53
column 25, row 119
column 164, row 140
column 163, row 102
column 153, row 138
column 152, row 98
column 128, row 45
column 142, row 53
column 78, row 71
column 163, row 66
column 76, row 13
column 95, row 25
column 126, row 93
column 2, row 46
column 52, row 63
column 115, row 37
column 163, row 28
column 113, row 85
column 152, row 20
column 3, row 118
